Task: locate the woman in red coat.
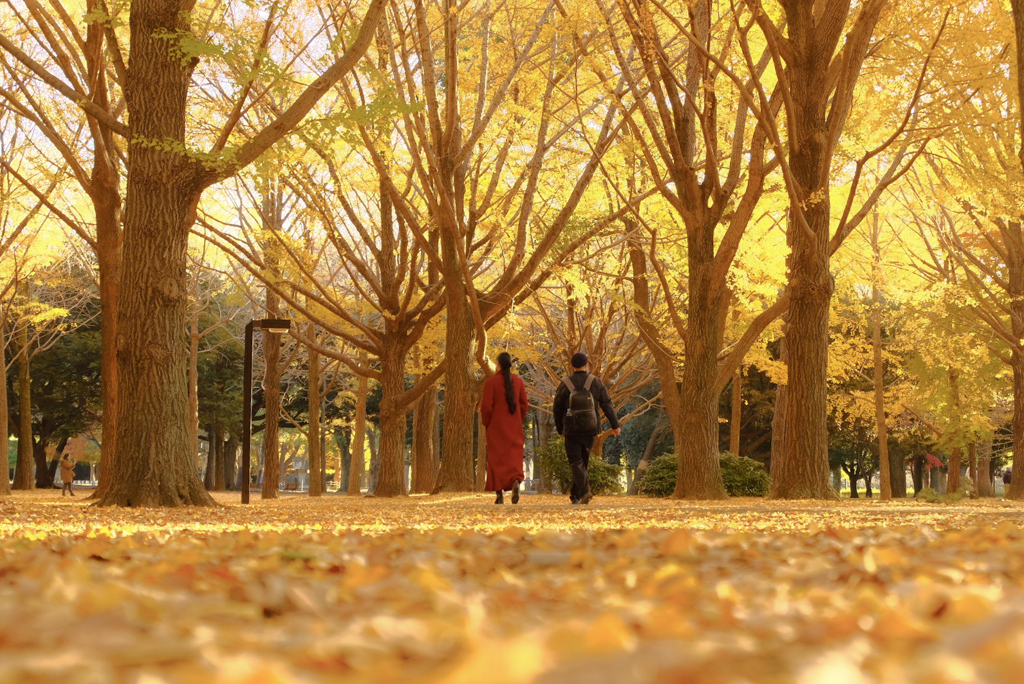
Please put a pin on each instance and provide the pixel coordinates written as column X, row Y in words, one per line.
column 503, row 409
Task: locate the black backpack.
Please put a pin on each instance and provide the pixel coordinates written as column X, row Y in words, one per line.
column 581, row 415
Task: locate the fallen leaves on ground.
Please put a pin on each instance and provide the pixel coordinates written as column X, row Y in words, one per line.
column 457, row 590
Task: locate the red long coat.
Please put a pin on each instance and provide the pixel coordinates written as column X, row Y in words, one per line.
column 505, row 438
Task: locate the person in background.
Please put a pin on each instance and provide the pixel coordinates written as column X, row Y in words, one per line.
column 503, row 408
column 576, row 402
column 67, row 474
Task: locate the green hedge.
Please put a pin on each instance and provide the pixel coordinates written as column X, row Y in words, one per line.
column 604, row 477
column 741, row 476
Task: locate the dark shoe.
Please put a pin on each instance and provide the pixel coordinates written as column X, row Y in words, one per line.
column 587, row 498
column 500, row 499
column 574, row 502
column 515, row 491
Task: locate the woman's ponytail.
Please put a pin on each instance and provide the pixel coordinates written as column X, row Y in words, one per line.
column 505, row 361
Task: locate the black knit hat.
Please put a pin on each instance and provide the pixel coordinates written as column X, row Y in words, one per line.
column 579, row 360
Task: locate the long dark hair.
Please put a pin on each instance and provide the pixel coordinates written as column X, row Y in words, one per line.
column 505, row 361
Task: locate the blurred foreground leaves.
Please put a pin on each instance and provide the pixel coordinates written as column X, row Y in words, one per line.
column 458, row 590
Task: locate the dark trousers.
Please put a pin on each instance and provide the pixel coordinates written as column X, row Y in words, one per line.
column 577, row 450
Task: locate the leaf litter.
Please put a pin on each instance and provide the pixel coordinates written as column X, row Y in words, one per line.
column 453, row 589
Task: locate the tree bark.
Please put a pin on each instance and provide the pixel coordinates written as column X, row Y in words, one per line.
column 481, row 454
column 211, row 460
column 193, row 376
column 217, row 450
column 230, row 460
column 357, row 464
column 423, row 469
column 107, row 204
column 5, row 465
column 158, row 468
column 391, row 477
column 1015, row 275
column 986, row 487
column 456, row 472
column 817, row 110
column 879, row 377
column 313, row 429
column 271, row 397
column 24, row 477
column 953, row 477
column 737, row 411
column 373, row 475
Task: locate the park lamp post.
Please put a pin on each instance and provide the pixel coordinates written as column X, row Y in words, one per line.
column 274, row 325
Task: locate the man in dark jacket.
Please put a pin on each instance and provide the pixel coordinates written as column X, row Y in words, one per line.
column 579, row 442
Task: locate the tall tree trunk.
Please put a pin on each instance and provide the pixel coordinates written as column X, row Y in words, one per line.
column 817, row 108
column 230, row 460
column 107, row 203
column 44, row 478
column 898, row 474
column 5, row 465
column 456, row 473
column 155, row 464
column 217, row 450
column 193, row 377
column 391, row 477
column 423, row 469
column 986, row 488
column 209, row 479
column 313, row 432
column 105, row 193
column 272, row 404
column 545, row 429
column 24, row 476
column 879, row 378
column 737, row 411
column 953, row 476
column 481, row 454
column 917, row 473
column 1015, row 276
column 358, row 461
column 373, row 474
column 1015, row 266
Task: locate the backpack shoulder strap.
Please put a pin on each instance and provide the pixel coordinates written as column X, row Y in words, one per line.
column 589, row 382
column 568, row 383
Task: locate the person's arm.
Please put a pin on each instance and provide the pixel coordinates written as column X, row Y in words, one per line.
column 606, row 405
column 487, row 403
column 561, row 396
column 524, row 401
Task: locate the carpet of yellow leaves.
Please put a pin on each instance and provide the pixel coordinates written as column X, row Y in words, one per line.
column 457, row 590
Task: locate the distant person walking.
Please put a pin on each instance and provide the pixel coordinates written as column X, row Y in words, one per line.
column 67, row 474
column 503, row 409
column 576, row 402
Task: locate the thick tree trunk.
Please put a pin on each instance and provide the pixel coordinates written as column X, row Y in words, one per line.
column 155, row 464
column 898, row 475
column 737, row 411
column 373, row 474
column 1015, row 268
column 391, row 477
column 481, row 454
column 313, row 432
column 24, row 476
column 357, row 464
column 986, row 487
column 193, row 381
column 456, row 472
column 953, row 477
column 879, row 378
column 272, row 405
column 211, row 460
column 699, row 473
column 5, row 466
column 917, row 473
column 230, row 461
column 107, row 204
column 44, row 478
column 817, row 108
column 217, row 451
column 423, row 469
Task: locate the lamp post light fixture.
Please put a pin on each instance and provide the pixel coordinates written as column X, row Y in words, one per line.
column 274, row 325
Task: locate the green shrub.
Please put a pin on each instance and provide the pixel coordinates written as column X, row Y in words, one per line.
column 604, row 477
column 660, row 478
column 741, row 476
